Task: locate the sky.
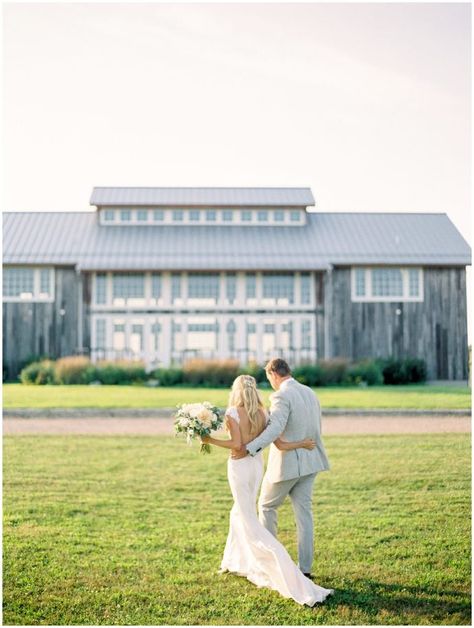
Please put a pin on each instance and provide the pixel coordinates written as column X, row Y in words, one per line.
column 367, row 104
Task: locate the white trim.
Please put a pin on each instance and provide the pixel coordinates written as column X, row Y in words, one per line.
column 36, row 296
column 370, row 298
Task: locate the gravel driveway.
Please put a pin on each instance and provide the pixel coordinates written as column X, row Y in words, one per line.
column 346, row 424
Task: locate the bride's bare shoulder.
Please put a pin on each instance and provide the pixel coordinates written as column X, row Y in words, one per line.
column 241, row 411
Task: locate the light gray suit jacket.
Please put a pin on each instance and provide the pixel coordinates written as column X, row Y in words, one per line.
column 295, row 414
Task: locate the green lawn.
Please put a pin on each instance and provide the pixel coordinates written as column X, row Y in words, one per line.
column 415, row 396
column 130, row 530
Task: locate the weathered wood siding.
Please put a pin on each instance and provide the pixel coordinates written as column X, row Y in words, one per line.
column 38, row 329
column 434, row 329
column 319, row 313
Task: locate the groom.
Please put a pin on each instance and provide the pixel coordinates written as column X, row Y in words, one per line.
column 295, row 414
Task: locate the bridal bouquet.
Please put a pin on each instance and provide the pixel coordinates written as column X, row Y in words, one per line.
column 197, row 420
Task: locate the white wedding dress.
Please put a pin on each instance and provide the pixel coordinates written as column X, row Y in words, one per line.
column 251, row 550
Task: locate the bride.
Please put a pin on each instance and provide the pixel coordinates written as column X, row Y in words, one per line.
column 251, row 550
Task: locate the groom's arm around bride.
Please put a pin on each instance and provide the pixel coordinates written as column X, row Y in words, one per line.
column 279, row 414
column 295, row 413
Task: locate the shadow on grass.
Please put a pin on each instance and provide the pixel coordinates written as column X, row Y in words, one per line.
column 374, row 597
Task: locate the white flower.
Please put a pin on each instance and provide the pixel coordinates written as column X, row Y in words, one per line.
column 205, row 416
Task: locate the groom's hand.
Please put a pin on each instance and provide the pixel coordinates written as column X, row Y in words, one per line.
column 236, row 454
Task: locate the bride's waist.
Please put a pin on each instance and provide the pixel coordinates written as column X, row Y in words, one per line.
column 257, row 456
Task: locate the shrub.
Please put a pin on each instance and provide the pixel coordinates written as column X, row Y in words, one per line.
column 210, row 372
column 119, row 372
column 168, row 377
column 333, row 371
column 72, row 369
column 391, row 372
column 309, row 374
column 368, row 371
column 38, row 373
column 32, row 358
column 416, row 370
column 407, row 371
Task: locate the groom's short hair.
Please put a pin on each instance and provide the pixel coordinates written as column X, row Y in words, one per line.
column 278, row 366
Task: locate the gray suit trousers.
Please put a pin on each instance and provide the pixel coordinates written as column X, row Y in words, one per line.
column 300, row 490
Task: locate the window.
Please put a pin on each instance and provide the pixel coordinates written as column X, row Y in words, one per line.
column 295, row 216
column 286, row 339
column 202, row 335
column 231, row 287
column 118, row 340
column 100, row 289
column 305, row 288
column 246, row 216
column 268, row 338
column 136, row 338
column 125, row 215
column 251, row 340
column 109, row 215
column 155, row 332
column 45, row 282
column 251, row 286
column 387, row 284
column 155, row 285
column 360, row 282
column 175, row 287
column 414, row 282
column 202, row 327
column 231, row 329
column 178, row 215
column 279, row 287
column 177, row 343
column 142, row 215
column 227, row 215
column 279, row 215
column 128, row 288
column 19, row 282
column 306, row 335
column 194, row 215
column 262, row 216
column 100, row 340
column 203, row 286
column 158, row 215
column 210, row 215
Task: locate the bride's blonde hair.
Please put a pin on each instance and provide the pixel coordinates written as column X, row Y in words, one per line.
column 244, row 393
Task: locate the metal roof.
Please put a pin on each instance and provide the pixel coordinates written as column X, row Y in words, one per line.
column 77, row 239
column 202, row 197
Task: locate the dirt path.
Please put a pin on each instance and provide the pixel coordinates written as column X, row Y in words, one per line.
column 348, row 424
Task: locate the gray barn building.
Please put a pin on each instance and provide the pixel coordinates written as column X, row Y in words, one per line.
column 164, row 274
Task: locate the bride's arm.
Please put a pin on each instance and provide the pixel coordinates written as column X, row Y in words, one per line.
column 307, row 443
column 235, row 440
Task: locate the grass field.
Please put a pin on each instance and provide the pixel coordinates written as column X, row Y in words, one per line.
column 130, row 530
column 415, row 396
